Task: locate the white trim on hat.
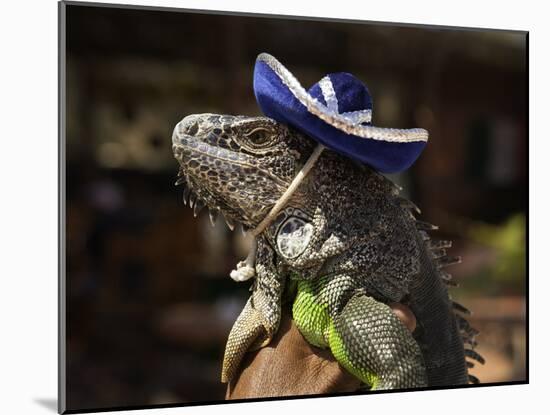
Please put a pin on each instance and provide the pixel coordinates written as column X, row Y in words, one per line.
column 355, row 117
column 344, row 122
column 329, row 94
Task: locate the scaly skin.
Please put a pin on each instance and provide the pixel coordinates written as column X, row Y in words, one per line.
column 345, row 245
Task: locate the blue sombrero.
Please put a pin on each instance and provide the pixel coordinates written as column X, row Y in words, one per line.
column 336, row 112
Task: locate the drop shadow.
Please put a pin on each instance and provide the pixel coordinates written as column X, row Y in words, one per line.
column 48, row 403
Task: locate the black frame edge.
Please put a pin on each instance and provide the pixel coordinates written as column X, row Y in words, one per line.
column 61, row 108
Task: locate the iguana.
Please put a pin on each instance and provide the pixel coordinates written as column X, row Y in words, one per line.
column 342, row 247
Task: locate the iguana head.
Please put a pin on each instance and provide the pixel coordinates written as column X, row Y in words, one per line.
column 237, row 165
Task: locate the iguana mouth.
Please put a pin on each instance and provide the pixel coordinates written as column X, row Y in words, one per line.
column 188, row 151
column 197, row 203
column 198, row 198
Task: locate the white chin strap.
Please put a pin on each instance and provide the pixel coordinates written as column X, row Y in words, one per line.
column 245, row 269
column 289, row 191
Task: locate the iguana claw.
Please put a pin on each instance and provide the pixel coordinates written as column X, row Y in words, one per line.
column 246, row 269
column 243, row 272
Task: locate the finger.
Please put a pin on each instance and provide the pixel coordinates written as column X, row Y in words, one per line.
column 404, row 314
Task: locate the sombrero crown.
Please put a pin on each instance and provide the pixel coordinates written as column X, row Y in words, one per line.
column 336, row 112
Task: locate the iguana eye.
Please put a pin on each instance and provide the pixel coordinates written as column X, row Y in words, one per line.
column 258, row 136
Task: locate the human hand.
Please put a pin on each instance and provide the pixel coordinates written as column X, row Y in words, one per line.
column 290, row 366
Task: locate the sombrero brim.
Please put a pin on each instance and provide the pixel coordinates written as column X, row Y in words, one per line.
column 281, row 97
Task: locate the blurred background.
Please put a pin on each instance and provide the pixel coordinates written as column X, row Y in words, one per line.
column 149, row 299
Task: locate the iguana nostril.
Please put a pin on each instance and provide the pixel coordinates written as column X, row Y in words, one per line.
column 192, row 128
column 189, row 126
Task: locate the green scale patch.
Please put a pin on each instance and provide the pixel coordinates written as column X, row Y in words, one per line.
column 315, row 324
column 311, row 318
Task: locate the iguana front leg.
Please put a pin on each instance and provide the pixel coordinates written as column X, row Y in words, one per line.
column 261, row 315
column 370, row 341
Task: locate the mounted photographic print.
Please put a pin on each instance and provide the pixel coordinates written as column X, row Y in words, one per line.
column 263, row 207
